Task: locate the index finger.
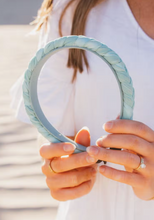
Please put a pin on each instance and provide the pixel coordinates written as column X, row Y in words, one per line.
column 50, row 150
column 125, row 126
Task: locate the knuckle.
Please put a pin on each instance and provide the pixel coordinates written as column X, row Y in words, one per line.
column 142, row 129
column 120, row 176
column 90, row 173
column 106, row 153
column 74, row 180
column 80, row 160
column 88, row 186
column 83, row 190
column 135, row 142
column 87, row 174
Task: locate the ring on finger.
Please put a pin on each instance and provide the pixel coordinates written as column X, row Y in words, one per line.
column 50, row 167
column 142, row 164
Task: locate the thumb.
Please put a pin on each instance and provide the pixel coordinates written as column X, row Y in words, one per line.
column 83, row 137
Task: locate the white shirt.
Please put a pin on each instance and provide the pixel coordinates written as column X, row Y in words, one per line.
column 94, row 98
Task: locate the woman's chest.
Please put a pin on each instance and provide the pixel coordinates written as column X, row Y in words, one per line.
column 97, row 95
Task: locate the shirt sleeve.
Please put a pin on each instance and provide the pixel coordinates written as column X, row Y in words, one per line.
column 55, row 91
column 56, row 98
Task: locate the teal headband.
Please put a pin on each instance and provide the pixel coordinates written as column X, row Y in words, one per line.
column 30, row 97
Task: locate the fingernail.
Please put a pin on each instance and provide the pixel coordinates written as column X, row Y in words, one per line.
column 108, row 125
column 99, row 142
column 90, row 159
column 92, row 150
column 69, row 147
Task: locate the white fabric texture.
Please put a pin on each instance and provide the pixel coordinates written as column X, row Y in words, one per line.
column 94, row 98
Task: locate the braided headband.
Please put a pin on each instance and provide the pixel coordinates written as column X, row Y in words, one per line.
column 30, row 97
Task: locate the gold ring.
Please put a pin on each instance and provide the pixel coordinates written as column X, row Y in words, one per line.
column 142, row 164
column 50, row 167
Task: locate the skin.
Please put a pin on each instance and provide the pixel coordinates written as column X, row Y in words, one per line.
column 136, row 139
column 143, row 13
column 75, row 176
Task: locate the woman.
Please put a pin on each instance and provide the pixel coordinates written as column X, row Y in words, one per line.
column 84, row 93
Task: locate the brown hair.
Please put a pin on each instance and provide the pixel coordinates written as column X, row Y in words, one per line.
column 78, row 27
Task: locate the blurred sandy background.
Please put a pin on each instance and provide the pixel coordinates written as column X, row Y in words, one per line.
column 23, row 191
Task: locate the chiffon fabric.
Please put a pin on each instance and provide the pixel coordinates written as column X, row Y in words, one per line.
column 94, row 98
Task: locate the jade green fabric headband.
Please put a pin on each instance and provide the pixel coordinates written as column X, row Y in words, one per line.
column 30, row 97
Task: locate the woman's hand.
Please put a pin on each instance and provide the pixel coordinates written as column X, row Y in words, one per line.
column 135, row 139
column 75, row 175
